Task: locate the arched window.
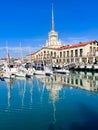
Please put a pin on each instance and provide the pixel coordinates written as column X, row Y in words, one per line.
column 60, row 54
column 55, row 54
column 81, row 52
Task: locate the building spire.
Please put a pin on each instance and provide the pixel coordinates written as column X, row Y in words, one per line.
column 53, row 41
column 52, row 18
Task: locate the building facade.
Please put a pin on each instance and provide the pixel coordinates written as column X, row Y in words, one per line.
column 55, row 53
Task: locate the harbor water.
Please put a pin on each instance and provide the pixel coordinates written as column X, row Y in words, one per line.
column 59, row 102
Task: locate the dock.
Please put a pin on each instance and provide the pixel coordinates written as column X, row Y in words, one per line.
column 88, row 67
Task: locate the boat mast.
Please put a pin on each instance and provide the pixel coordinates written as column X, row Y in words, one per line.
column 7, row 56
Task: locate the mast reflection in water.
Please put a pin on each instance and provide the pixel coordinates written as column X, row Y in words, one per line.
column 59, row 102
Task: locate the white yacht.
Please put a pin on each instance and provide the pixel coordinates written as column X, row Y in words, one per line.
column 62, row 71
column 48, row 71
column 7, row 72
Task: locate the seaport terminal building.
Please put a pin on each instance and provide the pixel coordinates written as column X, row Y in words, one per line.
column 57, row 54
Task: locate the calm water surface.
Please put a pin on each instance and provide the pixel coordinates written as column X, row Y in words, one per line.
column 50, row 103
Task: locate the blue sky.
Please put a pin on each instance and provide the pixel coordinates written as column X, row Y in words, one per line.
column 29, row 21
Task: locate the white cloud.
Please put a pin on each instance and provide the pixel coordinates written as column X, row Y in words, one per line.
column 27, row 46
column 15, row 51
column 72, row 40
column 32, row 45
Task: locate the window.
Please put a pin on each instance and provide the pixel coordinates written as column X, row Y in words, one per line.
column 64, row 54
column 76, row 53
column 55, row 54
column 51, row 53
column 68, row 53
column 81, row 52
column 71, row 53
column 60, row 54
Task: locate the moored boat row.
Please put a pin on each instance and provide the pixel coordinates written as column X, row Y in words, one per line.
column 21, row 71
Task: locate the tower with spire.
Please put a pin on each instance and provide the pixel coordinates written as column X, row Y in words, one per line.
column 53, row 41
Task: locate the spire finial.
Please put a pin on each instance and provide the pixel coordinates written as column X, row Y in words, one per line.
column 52, row 18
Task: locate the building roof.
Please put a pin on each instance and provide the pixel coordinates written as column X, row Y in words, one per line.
column 42, row 49
column 77, row 45
column 31, row 54
column 80, row 44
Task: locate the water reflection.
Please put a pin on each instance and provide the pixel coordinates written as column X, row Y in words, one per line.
column 87, row 81
column 9, row 84
column 57, row 86
column 50, row 103
column 22, row 89
column 54, row 85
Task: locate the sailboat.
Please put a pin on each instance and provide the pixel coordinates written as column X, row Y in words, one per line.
column 30, row 70
column 39, row 70
column 44, row 69
column 48, row 71
column 7, row 72
column 62, row 71
column 21, row 70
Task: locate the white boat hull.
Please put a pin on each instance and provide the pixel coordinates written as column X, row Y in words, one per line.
column 39, row 72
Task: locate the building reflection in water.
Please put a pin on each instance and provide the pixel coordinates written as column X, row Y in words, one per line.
column 84, row 81
column 34, row 94
column 87, row 81
column 53, row 87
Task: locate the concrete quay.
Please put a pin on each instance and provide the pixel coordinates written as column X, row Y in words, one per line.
column 88, row 67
